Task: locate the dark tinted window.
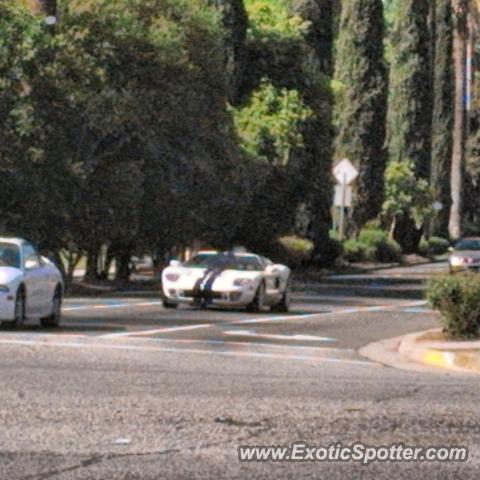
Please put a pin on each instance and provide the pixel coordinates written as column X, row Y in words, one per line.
column 226, row 261
column 9, row 255
column 468, row 244
column 201, row 260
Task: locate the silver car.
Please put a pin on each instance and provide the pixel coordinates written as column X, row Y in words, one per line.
column 31, row 286
column 465, row 255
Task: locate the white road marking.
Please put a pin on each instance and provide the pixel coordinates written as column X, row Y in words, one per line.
column 114, row 305
column 226, row 353
column 308, row 338
column 138, row 333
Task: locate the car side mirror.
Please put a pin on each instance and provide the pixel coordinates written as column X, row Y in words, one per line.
column 31, row 264
column 46, row 261
column 175, row 263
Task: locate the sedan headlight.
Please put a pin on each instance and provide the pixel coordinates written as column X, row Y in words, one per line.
column 172, row 277
column 242, row 282
column 456, row 261
column 4, row 289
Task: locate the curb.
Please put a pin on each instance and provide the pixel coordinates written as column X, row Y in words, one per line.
column 437, row 356
column 452, row 360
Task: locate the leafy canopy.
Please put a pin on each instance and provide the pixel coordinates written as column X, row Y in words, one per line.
column 272, row 18
column 269, row 126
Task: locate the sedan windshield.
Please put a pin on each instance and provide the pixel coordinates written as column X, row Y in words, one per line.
column 226, row 261
column 9, row 255
column 468, row 244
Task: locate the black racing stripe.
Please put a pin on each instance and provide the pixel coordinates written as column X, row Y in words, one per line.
column 197, row 289
column 207, row 289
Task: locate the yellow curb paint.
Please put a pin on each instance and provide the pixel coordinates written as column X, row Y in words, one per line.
column 451, row 360
column 439, row 359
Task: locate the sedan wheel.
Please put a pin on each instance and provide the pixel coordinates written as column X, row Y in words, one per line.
column 19, row 310
column 53, row 320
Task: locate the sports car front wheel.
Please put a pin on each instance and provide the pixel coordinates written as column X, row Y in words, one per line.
column 257, row 303
column 167, row 304
column 284, row 304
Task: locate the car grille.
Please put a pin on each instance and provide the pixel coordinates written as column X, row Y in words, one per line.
column 200, row 294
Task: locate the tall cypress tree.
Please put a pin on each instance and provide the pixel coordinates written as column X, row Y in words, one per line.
column 320, row 14
column 235, row 22
column 410, row 112
column 442, row 116
column 410, row 107
column 317, row 188
column 361, row 113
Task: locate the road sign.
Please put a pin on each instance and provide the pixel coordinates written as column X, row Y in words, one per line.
column 343, row 196
column 345, row 172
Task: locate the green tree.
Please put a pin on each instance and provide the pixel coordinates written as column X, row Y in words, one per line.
column 114, row 130
column 362, row 75
column 284, row 45
column 405, row 195
column 410, row 107
column 270, row 129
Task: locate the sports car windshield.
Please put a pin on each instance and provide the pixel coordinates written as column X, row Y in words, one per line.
column 225, row 261
column 9, row 255
column 468, row 244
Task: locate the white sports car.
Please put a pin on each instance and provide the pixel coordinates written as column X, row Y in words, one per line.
column 227, row 279
column 31, row 286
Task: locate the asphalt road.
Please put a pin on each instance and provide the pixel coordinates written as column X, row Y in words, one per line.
column 128, row 390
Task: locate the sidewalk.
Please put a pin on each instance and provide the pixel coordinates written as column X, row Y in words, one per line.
column 457, row 356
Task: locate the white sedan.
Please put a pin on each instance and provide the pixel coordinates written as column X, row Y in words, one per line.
column 227, row 279
column 31, row 286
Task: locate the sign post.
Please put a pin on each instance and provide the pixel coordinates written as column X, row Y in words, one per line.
column 345, row 173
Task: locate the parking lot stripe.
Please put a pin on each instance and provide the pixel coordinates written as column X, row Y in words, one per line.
column 137, row 333
column 308, row 338
column 114, row 305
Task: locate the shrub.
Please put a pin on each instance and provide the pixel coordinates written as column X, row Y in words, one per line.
column 372, row 245
column 356, row 251
column 457, row 298
column 294, row 251
column 434, row 246
column 384, row 248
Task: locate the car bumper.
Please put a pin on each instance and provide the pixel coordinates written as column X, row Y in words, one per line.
column 7, row 307
column 464, row 268
column 233, row 297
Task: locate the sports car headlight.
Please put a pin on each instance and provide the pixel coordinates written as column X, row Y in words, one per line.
column 242, row 282
column 4, row 289
column 172, row 277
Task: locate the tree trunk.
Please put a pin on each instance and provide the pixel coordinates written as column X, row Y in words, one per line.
column 91, row 272
column 123, row 265
column 460, row 36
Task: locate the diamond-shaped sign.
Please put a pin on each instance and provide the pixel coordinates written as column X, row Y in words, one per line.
column 345, row 172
